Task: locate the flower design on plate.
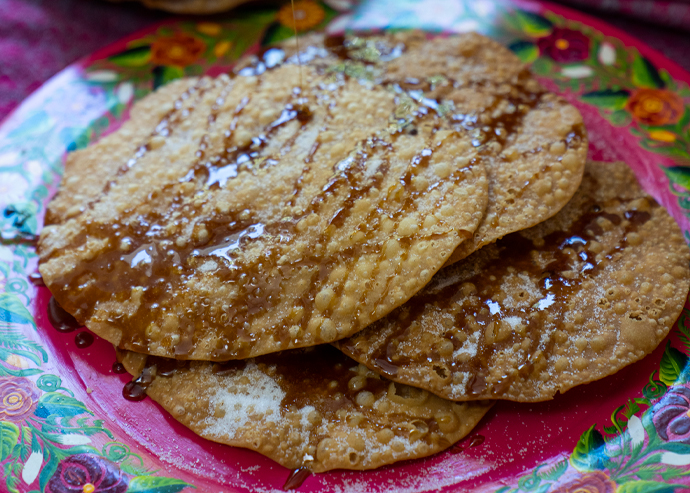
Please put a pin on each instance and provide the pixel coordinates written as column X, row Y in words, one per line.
column 565, row 45
column 87, row 473
column 178, row 50
column 591, row 482
column 19, row 398
column 671, row 415
column 655, row 106
column 307, row 14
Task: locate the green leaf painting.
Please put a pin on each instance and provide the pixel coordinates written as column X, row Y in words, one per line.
column 588, row 453
column 644, row 74
column 134, row 57
column 12, row 310
column 156, row 484
column 164, row 74
column 672, row 364
column 526, row 51
column 9, row 434
column 646, row 487
column 54, row 403
column 608, row 99
column 678, row 175
column 533, row 24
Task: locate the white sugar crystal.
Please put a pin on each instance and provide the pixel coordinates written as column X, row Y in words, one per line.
column 263, row 396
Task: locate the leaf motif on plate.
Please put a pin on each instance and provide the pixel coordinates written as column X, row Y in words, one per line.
column 525, row 50
column 56, row 404
column 646, row 487
column 156, row 484
column 673, row 363
column 13, row 311
column 137, row 56
column 607, row 99
column 589, row 453
column 645, row 74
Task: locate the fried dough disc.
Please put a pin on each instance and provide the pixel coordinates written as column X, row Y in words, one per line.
column 330, row 412
column 572, row 300
column 532, row 143
column 252, row 217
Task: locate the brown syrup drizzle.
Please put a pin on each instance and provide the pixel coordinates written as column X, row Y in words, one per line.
column 60, row 319
column 162, row 269
column 319, row 377
column 119, row 368
column 569, row 253
column 36, row 279
column 163, row 129
column 475, row 441
column 155, row 367
column 83, row 340
column 296, row 478
column 19, row 238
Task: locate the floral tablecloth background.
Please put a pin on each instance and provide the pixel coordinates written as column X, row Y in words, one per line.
column 47, row 434
column 38, row 38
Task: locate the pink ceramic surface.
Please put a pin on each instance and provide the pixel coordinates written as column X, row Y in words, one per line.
column 599, row 435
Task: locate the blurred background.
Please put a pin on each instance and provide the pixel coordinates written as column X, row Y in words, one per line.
column 38, row 38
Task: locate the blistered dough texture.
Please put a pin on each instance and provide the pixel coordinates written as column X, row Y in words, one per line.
column 314, row 408
column 88, row 170
column 532, row 143
column 254, row 217
column 572, row 300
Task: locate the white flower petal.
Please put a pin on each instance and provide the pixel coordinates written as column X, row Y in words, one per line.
column 125, row 92
column 102, row 76
column 465, row 26
column 607, row 54
column 31, row 467
column 340, row 5
column 339, row 24
column 484, row 8
column 73, row 439
column 577, row 72
column 674, row 459
column 636, row 430
column 13, row 188
column 9, row 159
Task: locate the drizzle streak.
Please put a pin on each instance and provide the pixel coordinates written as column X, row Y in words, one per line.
column 83, row 340
column 60, row 319
column 296, row 478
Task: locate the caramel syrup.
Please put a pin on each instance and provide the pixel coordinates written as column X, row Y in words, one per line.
column 161, row 268
column 37, row 279
column 83, row 339
column 296, row 478
column 60, row 319
column 476, row 440
column 568, row 253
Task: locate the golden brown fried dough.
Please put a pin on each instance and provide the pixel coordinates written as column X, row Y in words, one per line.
column 572, row 300
column 532, row 143
column 315, row 408
column 254, row 218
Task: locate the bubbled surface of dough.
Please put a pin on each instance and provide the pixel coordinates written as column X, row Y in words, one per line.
column 332, row 223
column 572, row 300
column 333, row 414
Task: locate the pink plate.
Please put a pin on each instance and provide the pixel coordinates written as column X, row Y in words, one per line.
column 62, row 414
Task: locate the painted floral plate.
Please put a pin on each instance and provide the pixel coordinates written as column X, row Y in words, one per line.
column 64, row 425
